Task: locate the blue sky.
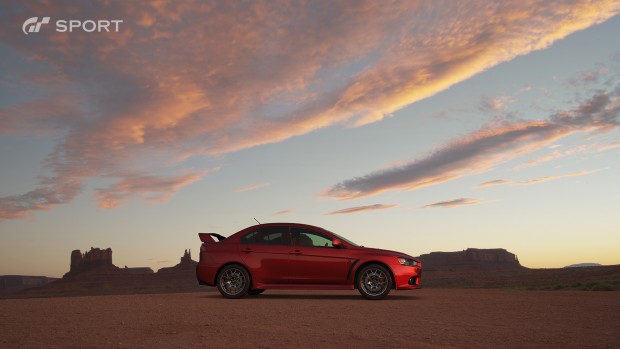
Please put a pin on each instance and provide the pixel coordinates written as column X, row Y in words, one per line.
column 417, row 127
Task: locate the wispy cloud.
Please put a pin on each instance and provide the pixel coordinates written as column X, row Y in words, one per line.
column 282, row 213
column 610, row 146
column 551, row 178
column 191, row 79
column 493, row 183
column 251, row 187
column 556, row 154
column 361, row 209
column 535, row 180
column 589, row 77
column 482, row 150
column 155, row 189
column 454, row 203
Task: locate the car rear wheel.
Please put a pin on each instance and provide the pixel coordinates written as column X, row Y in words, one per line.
column 255, row 292
column 233, row 281
column 374, row 282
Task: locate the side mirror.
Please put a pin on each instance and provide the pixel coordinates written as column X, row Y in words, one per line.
column 337, row 243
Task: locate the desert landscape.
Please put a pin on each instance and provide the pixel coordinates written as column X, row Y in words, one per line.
column 471, row 299
column 426, row 318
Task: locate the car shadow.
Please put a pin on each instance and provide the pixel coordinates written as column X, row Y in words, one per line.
column 391, row 297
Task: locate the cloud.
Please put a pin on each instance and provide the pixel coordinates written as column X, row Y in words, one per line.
column 493, row 183
column 361, row 209
column 535, row 180
column 551, row 178
column 556, row 154
column 454, row 203
column 480, row 151
column 251, row 187
column 610, row 146
column 41, row 198
column 282, row 213
column 155, row 189
column 589, row 77
column 202, row 79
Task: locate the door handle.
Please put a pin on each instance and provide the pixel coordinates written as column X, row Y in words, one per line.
column 247, row 250
column 296, row 252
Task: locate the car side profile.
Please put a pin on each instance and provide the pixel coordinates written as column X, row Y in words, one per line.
column 300, row 256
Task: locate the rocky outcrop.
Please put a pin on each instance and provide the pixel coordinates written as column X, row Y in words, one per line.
column 496, row 258
column 187, row 264
column 138, row 270
column 95, row 260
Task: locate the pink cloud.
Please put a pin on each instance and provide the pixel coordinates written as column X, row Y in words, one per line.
column 454, row 203
column 251, row 187
column 551, row 178
column 361, row 209
column 556, row 154
column 480, row 151
column 610, row 146
column 155, row 189
column 493, row 183
column 191, row 79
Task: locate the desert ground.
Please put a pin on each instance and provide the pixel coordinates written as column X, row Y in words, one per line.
column 426, row 318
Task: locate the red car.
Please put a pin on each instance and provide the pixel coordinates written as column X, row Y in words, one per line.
column 300, row 256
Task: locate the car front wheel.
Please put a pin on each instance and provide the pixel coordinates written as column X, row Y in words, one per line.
column 374, row 282
column 233, row 281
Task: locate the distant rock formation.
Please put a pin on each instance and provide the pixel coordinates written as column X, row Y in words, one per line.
column 186, row 264
column 581, row 265
column 472, row 258
column 138, row 270
column 95, row 260
column 16, row 283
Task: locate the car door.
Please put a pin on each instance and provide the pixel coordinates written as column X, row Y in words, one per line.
column 314, row 259
column 266, row 252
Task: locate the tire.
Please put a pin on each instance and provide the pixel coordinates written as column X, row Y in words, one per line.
column 374, row 282
column 255, row 292
column 233, row 281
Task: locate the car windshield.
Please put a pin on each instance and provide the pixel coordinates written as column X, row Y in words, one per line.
column 343, row 239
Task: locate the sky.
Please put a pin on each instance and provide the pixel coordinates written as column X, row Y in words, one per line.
column 414, row 126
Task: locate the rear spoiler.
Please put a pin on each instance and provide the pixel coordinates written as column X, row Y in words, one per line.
column 208, row 239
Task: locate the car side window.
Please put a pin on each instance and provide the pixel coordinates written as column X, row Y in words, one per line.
column 310, row 238
column 267, row 236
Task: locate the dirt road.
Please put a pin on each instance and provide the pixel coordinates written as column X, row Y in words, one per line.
column 427, row 318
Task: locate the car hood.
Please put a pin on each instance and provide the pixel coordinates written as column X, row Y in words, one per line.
column 387, row 252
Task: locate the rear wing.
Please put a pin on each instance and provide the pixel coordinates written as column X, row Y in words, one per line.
column 207, row 238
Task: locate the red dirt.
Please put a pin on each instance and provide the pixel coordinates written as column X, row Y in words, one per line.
column 427, row 318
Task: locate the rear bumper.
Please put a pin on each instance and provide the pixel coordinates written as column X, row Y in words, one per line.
column 406, row 277
column 205, row 275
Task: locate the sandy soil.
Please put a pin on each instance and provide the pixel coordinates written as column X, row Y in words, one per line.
column 427, row 318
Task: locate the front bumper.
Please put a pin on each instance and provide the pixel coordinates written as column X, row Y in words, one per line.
column 407, row 277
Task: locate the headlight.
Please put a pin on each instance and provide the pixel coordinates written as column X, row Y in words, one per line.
column 407, row 262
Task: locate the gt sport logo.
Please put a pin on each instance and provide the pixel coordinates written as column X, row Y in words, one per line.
column 33, row 25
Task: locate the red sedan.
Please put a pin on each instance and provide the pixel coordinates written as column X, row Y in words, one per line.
column 300, row 256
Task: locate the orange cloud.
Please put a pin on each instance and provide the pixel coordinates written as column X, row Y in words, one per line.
column 610, row 146
column 193, row 78
column 155, row 189
column 454, row 203
column 361, row 209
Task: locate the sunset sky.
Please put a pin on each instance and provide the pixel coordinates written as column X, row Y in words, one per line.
column 416, row 126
